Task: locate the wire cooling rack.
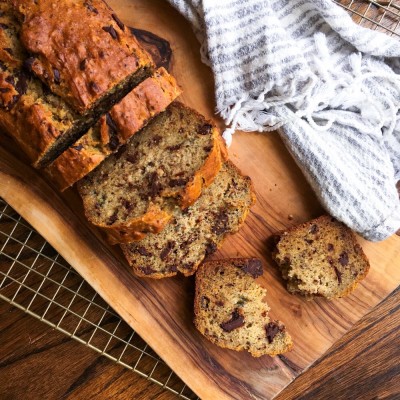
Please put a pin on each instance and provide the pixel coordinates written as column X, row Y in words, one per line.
column 36, row 279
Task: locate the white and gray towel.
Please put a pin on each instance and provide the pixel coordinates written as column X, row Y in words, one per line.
column 332, row 87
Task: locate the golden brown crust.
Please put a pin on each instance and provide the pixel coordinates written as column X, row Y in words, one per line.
column 81, row 49
column 149, row 98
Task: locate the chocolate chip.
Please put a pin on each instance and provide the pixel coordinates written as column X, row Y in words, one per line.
column 127, row 204
column 113, row 141
column 272, row 329
column 211, row 248
column 78, row 147
column 82, row 65
column 90, row 7
column 309, row 241
column 235, row 322
column 178, row 182
column 167, row 249
column 118, row 21
column 188, row 266
column 204, row 302
column 5, row 90
column 330, row 247
column 207, row 149
column 57, row 78
column 219, row 303
column 252, row 267
column 143, row 251
column 132, row 158
column 338, row 275
column 3, row 66
column 314, row 229
column 344, row 259
column 9, row 51
column 110, row 29
column 147, row 270
column 221, row 222
column 204, row 129
column 154, row 186
column 174, row 148
column 113, row 218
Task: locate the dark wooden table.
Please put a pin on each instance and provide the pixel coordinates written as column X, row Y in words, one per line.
column 37, row 362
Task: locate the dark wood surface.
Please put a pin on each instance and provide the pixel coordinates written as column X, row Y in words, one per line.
column 37, row 362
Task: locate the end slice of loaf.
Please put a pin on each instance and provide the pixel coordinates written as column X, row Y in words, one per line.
column 197, row 231
column 165, row 166
column 321, row 258
column 230, row 310
column 125, row 119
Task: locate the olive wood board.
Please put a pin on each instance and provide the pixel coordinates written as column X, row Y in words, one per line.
column 161, row 311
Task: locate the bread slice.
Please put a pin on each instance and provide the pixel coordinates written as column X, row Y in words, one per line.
column 230, row 311
column 321, row 258
column 82, row 51
column 163, row 167
column 197, row 231
column 126, row 118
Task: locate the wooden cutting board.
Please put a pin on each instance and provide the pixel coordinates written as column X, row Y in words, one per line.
column 161, row 311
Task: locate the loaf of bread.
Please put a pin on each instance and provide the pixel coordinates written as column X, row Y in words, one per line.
column 126, row 118
column 320, row 258
column 82, row 51
column 163, row 167
column 230, row 310
column 197, row 231
column 31, row 114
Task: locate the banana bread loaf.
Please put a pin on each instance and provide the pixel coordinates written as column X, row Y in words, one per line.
column 163, row 167
column 82, row 51
column 196, row 232
column 321, row 258
column 230, row 310
column 126, row 118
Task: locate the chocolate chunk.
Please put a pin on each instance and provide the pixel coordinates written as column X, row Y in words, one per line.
column 188, row 266
column 211, row 248
column 174, row 148
column 221, row 222
column 118, row 22
column 82, row 65
column 253, row 267
column 338, row 275
column 79, row 147
column 344, row 259
column 143, row 251
column 204, row 129
column 113, row 141
column 204, row 302
column 272, row 329
column 178, row 182
column 309, row 241
column 147, row 270
column 113, row 218
column 167, row 249
column 110, row 29
column 330, row 247
column 314, row 229
column 235, row 322
column 127, row 204
column 57, row 78
column 207, row 148
column 90, row 7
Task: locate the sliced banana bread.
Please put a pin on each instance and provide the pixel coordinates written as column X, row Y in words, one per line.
column 82, row 51
column 321, row 258
column 196, row 231
column 126, row 118
column 165, row 166
column 230, row 310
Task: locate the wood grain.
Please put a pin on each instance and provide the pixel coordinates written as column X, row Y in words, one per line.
column 161, row 311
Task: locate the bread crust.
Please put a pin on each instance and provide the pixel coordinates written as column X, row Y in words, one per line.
column 132, row 113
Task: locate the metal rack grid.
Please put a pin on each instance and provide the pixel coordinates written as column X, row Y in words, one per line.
column 35, row 278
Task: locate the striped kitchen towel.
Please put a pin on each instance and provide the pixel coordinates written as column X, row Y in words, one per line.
column 331, row 86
